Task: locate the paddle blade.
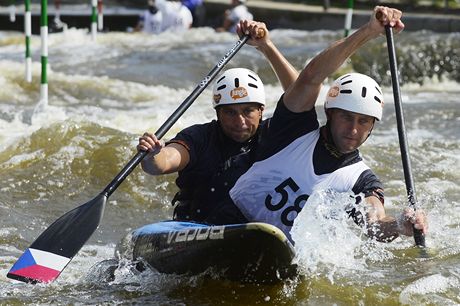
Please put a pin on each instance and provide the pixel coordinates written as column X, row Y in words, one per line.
column 50, row 253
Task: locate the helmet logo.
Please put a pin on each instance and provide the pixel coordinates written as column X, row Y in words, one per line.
column 217, row 98
column 238, row 93
column 333, row 92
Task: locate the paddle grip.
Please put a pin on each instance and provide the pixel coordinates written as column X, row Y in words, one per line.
column 175, row 116
column 409, row 180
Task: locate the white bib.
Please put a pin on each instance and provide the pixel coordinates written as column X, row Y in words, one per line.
column 274, row 190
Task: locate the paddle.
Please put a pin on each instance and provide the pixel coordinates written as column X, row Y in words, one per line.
column 50, row 253
column 418, row 235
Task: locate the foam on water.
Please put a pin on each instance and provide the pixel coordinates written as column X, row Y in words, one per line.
column 433, row 285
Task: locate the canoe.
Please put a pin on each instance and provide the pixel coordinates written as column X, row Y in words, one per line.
column 252, row 252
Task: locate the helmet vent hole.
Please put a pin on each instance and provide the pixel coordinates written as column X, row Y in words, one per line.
column 377, row 99
column 253, row 85
column 221, row 87
column 363, row 92
column 252, row 77
column 237, row 82
column 346, row 91
column 378, row 89
column 346, row 82
column 218, row 81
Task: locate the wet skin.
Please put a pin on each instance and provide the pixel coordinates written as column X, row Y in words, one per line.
column 240, row 121
column 349, row 130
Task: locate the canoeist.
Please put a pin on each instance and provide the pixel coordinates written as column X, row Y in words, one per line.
column 202, row 152
column 297, row 156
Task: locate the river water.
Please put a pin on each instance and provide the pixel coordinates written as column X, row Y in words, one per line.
column 103, row 94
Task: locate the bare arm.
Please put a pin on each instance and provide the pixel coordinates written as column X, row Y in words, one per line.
column 160, row 159
column 387, row 228
column 260, row 39
column 304, row 92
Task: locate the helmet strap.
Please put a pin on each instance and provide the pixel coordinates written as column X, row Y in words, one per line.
column 329, row 141
column 372, row 128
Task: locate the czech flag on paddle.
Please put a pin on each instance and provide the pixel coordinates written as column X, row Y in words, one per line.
column 38, row 266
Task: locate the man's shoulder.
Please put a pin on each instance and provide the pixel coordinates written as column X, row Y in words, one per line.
column 198, row 137
column 367, row 183
column 293, row 123
column 200, row 131
column 203, row 126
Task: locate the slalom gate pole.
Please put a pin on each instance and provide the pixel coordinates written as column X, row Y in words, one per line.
column 93, row 19
column 28, row 35
column 348, row 18
column 44, row 51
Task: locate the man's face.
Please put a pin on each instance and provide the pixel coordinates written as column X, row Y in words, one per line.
column 240, row 121
column 349, row 130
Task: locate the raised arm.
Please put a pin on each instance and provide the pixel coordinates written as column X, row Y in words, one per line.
column 302, row 95
column 260, row 39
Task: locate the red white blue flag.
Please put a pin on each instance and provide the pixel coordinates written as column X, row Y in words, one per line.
column 38, row 266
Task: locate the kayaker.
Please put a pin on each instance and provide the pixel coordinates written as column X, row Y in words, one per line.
column 296, row 156
column 202, row 152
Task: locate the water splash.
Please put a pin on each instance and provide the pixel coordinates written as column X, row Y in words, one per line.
column 328, row 242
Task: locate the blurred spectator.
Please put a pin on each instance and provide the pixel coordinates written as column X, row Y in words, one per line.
column 176, row 16
column 198, row 11
column 162, row 15
column 232, row 16
column 151, row 19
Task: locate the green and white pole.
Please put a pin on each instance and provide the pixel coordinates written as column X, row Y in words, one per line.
column 100, row 16
column 28, row 33
column 44, row 51
column 348, row 18
column 93, row 19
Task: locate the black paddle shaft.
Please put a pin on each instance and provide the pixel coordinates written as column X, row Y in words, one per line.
column 175, row 116
column 403, row 144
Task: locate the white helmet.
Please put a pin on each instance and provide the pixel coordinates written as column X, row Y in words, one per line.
column 238, row 85
column 356, row 92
